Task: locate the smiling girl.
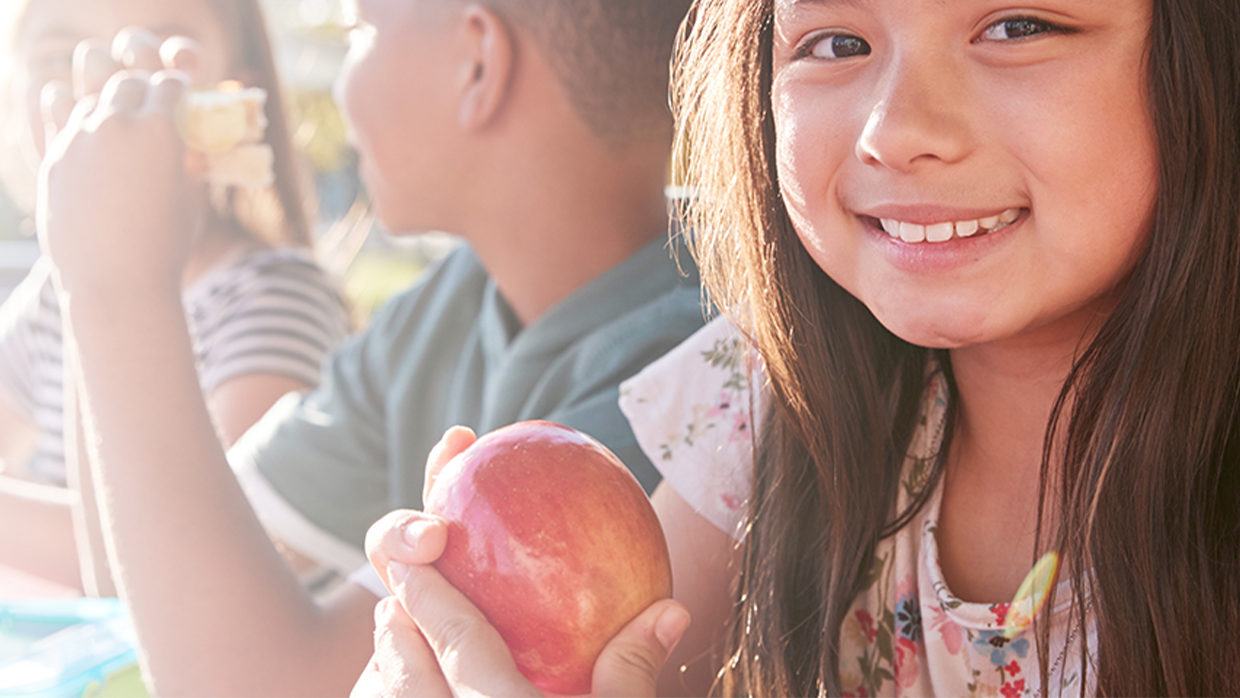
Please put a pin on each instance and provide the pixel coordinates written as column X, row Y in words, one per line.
column 989, row 255
column 984, row 259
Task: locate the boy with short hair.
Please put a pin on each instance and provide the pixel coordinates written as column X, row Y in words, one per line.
column 538, row 131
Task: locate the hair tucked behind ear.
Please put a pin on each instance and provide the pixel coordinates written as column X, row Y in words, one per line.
column 1149, row 499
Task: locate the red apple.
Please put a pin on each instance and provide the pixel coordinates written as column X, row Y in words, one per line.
column 555, row 541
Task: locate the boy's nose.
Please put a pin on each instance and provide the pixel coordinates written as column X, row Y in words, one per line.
column 919, row 115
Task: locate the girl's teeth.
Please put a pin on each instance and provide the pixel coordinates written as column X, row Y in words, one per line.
column 939, row 232
column 942, row 232
column 911, row 232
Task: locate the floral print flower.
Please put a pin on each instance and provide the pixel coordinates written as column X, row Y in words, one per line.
column 908, row 618
column 721, row 407
column 867, row 624
column 740, row 427
column 907, row 669
column 951, row 634
column 1000, row 648
column 1013, row 689
column 1000, row 611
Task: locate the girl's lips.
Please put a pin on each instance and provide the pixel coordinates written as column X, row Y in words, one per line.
column 936, row 251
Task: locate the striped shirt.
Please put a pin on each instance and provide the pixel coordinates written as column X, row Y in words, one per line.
column 274, row 312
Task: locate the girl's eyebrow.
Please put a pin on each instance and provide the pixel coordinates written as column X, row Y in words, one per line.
column 795, row 6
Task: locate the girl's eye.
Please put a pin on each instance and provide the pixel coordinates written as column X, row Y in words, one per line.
column 837, row 46
column 1018, row 28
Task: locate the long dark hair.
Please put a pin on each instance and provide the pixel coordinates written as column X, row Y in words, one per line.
column 277, row 215
column 1149, row 495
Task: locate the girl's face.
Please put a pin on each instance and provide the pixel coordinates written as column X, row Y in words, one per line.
column 51, row 29
column 971, row 170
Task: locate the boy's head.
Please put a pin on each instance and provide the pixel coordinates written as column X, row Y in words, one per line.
column 612, row 57
column 435, row 91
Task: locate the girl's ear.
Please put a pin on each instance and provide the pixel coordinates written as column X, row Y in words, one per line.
column 487, row 71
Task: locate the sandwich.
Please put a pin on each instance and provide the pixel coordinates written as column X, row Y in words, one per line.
column 228, row 127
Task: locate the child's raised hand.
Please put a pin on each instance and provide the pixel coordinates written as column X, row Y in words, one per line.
column 117, row 210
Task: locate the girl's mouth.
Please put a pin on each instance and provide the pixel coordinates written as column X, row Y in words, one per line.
column 942, row 232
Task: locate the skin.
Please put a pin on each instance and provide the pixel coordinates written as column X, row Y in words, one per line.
column 957, row 112
column 442, row 152
column 944, row 118
column 510, row 125
column 53, row 30
column 431, row 641
column 58, row 40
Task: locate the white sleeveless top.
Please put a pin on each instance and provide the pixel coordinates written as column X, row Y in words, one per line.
column 906, row 634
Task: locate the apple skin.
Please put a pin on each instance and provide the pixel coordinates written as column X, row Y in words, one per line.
column 553, row 539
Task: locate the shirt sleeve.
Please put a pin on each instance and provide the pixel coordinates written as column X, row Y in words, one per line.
column 279, row 314
column 318, row 466
column 624, row 348
column 22, row 317
column 314, row 467
column 692, row 413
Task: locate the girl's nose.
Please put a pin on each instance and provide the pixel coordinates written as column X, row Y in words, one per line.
column 919, row 115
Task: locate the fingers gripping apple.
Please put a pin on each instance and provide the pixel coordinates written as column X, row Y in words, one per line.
column 227, row 126
column 555, row 542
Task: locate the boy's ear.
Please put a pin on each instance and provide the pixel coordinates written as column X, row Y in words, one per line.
column 485, row 78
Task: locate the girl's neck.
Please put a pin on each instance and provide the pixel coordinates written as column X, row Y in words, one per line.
column 988, row 526
column 1006, row 396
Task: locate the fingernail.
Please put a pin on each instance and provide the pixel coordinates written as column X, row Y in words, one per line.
column 414, row 531
column 670, row 626
column 398, row 572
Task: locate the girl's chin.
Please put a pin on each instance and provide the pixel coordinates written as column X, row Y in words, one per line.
column 938, row 335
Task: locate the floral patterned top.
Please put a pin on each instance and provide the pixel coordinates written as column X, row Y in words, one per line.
column 906, row 634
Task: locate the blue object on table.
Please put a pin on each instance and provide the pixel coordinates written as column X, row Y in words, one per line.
column 63, row 647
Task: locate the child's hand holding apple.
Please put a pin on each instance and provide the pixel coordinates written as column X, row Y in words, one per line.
column 566, row 561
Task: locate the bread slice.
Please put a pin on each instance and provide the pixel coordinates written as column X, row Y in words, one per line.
column 228, row 125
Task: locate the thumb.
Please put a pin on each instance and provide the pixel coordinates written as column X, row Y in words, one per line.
column 630, row 664
column 454, row 440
